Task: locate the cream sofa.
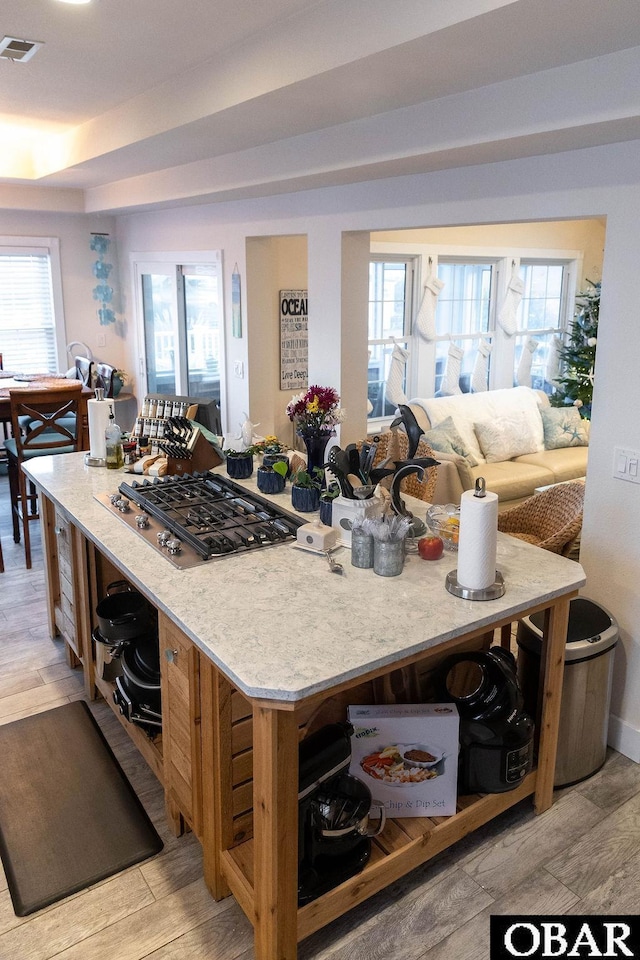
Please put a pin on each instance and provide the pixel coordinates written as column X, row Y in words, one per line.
column 513, row 438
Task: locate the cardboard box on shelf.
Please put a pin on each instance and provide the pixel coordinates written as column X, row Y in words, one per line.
column 407, row 754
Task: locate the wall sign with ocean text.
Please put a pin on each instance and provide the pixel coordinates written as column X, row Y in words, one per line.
column 294, row 341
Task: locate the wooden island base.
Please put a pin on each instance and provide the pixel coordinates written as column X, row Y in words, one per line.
column 229, row 763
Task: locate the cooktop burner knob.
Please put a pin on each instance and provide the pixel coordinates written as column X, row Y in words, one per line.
column 142, row 521
column 174, row 546
column 163, row 537
column 114, row 497
column 123, row 505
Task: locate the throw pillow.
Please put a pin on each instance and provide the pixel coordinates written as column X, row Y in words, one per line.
column 506, row 437
column 564, row 427
column 445, row 438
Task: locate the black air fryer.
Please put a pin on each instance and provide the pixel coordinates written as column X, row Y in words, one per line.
column 496, row 735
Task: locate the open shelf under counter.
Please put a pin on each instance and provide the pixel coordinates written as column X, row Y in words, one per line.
column 403, row 845
column 150, row 748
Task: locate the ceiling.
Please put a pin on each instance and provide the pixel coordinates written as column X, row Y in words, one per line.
column 134, row 105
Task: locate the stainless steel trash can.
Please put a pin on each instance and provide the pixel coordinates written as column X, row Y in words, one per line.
column 592, row 635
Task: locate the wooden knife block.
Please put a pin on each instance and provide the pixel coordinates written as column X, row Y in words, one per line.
column 204, row 457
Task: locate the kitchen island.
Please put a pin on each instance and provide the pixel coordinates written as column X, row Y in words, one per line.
column 256, row 649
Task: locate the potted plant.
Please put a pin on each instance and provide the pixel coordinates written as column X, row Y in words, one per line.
column 239, row 463
column 120, row 377
column 305, row 489
column 272, row 450
column 273, row 476
column 326, row 503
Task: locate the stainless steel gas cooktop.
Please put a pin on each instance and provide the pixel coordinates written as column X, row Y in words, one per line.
column 198, row 517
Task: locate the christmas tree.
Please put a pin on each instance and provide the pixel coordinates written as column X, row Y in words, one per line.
column 578, row 355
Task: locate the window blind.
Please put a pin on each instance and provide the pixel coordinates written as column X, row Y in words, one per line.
column 27, row 320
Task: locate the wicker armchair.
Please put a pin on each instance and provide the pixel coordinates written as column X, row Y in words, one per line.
column 551, row 519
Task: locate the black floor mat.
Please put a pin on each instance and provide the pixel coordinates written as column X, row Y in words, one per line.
column 68, row 815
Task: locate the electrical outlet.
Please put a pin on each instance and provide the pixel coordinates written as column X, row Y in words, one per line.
column 626, row 464
column 102, row 340
column 238, row 369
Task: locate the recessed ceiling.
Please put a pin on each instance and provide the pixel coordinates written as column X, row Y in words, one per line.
column 156, row 102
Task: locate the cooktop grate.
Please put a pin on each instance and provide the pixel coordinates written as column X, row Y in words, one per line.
column 208, row 513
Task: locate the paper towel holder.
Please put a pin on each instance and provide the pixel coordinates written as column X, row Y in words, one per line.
column 492, row 592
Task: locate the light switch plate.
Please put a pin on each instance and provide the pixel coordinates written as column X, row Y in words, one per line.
column 626, row 464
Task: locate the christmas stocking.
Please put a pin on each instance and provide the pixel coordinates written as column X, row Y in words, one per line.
column 395, row 378
column 510, row 304
column 426, row 319
column 553, row 359
column 523, row 375
column 369, row 404
column 480, row 375
column 451, row 382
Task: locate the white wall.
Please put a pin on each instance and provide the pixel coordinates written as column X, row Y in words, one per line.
column 598, row 182
column 78, row 281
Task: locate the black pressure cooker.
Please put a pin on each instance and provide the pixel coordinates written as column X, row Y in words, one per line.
column 496, row 735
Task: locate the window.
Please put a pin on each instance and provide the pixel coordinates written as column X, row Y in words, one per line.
column 390, row 306
column 31, row 341
column 541, row 314
column 182, row 325
column 464, row 315
column 469, row 347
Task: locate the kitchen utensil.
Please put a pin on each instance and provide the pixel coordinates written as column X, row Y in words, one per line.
column 339, row 466
column 364, row 492
column 334, row 566
column 123, row 613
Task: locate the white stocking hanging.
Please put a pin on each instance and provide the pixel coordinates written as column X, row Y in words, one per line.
column 509, row 309
column 480, row 375
column 394, row 391
column 523, row 375
column 451, row 380
column 426, row 318
column 553, row 359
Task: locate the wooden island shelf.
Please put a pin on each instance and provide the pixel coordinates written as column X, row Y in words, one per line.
column 237, row 696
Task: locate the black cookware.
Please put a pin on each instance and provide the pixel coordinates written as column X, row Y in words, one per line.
column 137, row 691
column 123, row 613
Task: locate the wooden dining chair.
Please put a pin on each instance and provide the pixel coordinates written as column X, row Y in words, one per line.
column 104, row 378
column 84, row 370
column 54, row 428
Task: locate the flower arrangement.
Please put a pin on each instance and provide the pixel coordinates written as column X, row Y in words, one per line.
column 270, row 444
column 317, row 411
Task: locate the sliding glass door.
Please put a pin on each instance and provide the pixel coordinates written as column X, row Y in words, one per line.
column 181, row 307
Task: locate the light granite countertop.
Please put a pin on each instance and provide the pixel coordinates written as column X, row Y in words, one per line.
column 278, row 623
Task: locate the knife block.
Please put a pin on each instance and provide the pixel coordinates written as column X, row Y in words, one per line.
column 203, row 457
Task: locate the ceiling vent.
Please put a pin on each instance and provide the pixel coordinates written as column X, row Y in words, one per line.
column 11, row 48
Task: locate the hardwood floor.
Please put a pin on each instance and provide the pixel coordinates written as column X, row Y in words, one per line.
column 583, row 856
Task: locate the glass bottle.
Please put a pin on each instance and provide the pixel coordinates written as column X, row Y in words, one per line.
column 113, row 439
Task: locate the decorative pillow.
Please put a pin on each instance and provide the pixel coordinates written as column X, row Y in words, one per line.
column 564, row 427
column 506, row 437
column 445, row 438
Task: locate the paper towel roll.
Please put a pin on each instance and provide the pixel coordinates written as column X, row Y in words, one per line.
column 98, row 416
column 478, row 541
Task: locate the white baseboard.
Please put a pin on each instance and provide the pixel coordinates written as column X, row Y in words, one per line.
column 624, row 738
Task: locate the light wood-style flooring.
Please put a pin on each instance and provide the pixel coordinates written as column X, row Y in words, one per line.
column 583, row 856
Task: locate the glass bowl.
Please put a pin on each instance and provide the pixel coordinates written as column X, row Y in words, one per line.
column 444, row 521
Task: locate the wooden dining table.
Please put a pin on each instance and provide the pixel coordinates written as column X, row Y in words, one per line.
column 41, row 381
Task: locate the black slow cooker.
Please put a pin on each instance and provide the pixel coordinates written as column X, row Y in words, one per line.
column 496, row 735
